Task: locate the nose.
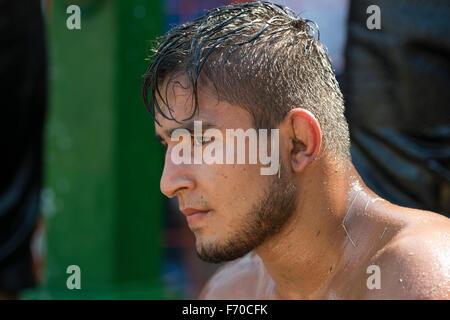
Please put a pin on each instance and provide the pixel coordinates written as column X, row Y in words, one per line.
column 175, row 178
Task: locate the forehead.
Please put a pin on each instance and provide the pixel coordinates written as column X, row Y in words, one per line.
column 178, row 94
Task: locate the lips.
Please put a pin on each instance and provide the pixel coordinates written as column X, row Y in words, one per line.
column 190, row 211
column 194, row 215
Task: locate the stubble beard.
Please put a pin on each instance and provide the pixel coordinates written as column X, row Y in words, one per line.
column 264, row 220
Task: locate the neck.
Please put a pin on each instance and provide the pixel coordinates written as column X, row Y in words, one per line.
column 306, row 254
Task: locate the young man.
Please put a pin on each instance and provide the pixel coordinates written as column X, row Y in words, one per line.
column 313, row 230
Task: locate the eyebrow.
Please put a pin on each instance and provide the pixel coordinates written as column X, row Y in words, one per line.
column 188, row 126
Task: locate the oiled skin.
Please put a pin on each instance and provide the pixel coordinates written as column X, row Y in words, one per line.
column 338, row 229
column 411, row 247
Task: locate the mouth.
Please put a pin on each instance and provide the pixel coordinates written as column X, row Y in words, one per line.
column 193, row 216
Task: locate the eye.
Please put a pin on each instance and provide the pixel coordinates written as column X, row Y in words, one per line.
column 201, row 140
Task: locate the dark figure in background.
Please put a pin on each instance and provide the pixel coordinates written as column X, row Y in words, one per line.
column 396, row 88
column 23, row 99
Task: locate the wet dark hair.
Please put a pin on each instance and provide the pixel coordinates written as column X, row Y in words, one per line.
column 260, row 56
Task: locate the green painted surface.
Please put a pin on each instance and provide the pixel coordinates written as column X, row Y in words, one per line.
column 102, row 201
column 139, row 155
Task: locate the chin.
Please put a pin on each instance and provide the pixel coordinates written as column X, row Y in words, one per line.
column 217, row 250
column 203, row 238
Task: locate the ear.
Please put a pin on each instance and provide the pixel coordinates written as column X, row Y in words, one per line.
column 305, row 138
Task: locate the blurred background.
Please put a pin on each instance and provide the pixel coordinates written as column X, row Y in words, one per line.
column 81, row 166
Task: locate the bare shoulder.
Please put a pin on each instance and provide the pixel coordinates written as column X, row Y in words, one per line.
column 415, row 264
column 243, row 278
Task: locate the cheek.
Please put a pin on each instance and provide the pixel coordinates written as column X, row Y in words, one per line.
column 235, row 188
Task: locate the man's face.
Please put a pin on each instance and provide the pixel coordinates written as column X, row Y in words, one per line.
column 240, row 208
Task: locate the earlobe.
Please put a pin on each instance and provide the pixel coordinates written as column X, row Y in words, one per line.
column 299, row 155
